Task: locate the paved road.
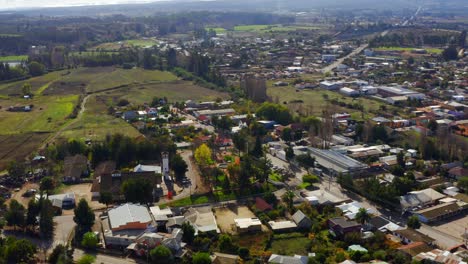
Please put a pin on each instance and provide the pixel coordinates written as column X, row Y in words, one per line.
column 339, row 61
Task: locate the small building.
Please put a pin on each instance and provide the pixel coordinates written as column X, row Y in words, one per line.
column 75, row 167
column 420, row 198
column 296, row 259
column 130, row 115
column 441, row 211
column 409, row 236
column 222, row 258
column 282, row 226
column 457, row 172
column 245, row 225
column 339, row 226
column 262, row 205
column 415, row 248
column 327, row 85
column 328, row 58
column 349, row 92
column 202, row 219
column 61, row 201
column 301, row 220
column 161, row 216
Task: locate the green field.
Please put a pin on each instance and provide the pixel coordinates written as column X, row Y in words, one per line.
column 112, row 46
column 37, row 83
column 14, row 58
column 47, row 115
column 314, row 101
column 429, row 50
column 290, row 244
column 251, row 27
column 218, row 30
column 91, row 53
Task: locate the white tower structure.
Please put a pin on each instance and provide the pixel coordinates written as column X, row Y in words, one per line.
column 165, row 165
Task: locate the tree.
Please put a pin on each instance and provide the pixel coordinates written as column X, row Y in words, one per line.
column 106, row 198
column 86, row 259
column 432, row 125
column 226, row 245
column 90, row 240
column 60, row 255
column 16, row 169
column 26, row 89
column 363, row 216
column 46, row 219
column 287, row 134
column 189, row 232
column 84, row 217
column 243, row 252
column 179, row 166
column 450, row 53
column 288, row 199
column 36, row 68
column 401, row 159
column 32, row 213
column 305, row 160
column 138, row 190
column 276, row 112
column 311, row 179
column 463, row 183
column 15, row 214
column 19, row 250
column 47, row 185
column 201, row 258
column 161, row 255
column 203, row 155
column 289, row 153
column 413, row 222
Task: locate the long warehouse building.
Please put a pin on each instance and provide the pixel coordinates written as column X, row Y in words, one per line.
column 336, row 162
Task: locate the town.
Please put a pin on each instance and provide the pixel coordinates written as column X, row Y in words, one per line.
column 332, row 135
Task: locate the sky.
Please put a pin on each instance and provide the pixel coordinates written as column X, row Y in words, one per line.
column 17, row 4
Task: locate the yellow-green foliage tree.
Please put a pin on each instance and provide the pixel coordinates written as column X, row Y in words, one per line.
column 203, row 155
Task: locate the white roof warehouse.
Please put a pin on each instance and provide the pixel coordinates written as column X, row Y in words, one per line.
column 336, row 162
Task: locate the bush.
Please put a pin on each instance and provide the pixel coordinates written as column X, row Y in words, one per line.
column 309, row 178
column 243, row 252
column 90, row 240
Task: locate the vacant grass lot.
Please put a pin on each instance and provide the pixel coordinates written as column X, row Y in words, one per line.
column 429, row 50
column 18, row 146
column 290, row 244
column 314, row 100
column 37, row 83
column 14, row 58
column 113, row 46
column 47, row 115
column 218, row 30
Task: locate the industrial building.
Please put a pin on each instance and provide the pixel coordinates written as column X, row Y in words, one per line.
column 336, row 162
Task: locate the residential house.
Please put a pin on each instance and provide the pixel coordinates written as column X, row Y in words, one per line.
column 415, row 248
column 442, row 211
column 245, row 225
column 282, row 226
column 75, row 167
column 262, row 205
column 440, row 256
column 409, row 236
column 339, row 226
column 112, row 182
column 202, row 219
column 457, row 172
column 420, row 198
column 280, row 259
column 302, row 221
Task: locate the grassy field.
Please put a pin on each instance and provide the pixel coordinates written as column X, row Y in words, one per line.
column 18, row 146
column 314, row 101
column 47, row 115
column 251, row 27
column 218, row 30
column 14, row 58
column 290, row 244
column 111, row 46
column 272, row 28
column 429, row 50
column 91, row 53
column 37, row 84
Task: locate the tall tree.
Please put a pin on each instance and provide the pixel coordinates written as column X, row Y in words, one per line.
column 188, row 232
column 363, row 216
column 33, row 212
column 288, row 199
column 84, row 216
column 15, row 214
column 179, row 166
column 203, row 155
column 46, row 219
column 47, row 185
column 105, row 198
column 413, row 222
column 138, row 190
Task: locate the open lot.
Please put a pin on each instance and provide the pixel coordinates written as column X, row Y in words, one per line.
column 290, row 244
column 315, row 101
column 82, row 190
column 18, row 146
column 126, row 43
column 225, row 217
column 409, row 49
column 14, row 58
column 37, row 83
